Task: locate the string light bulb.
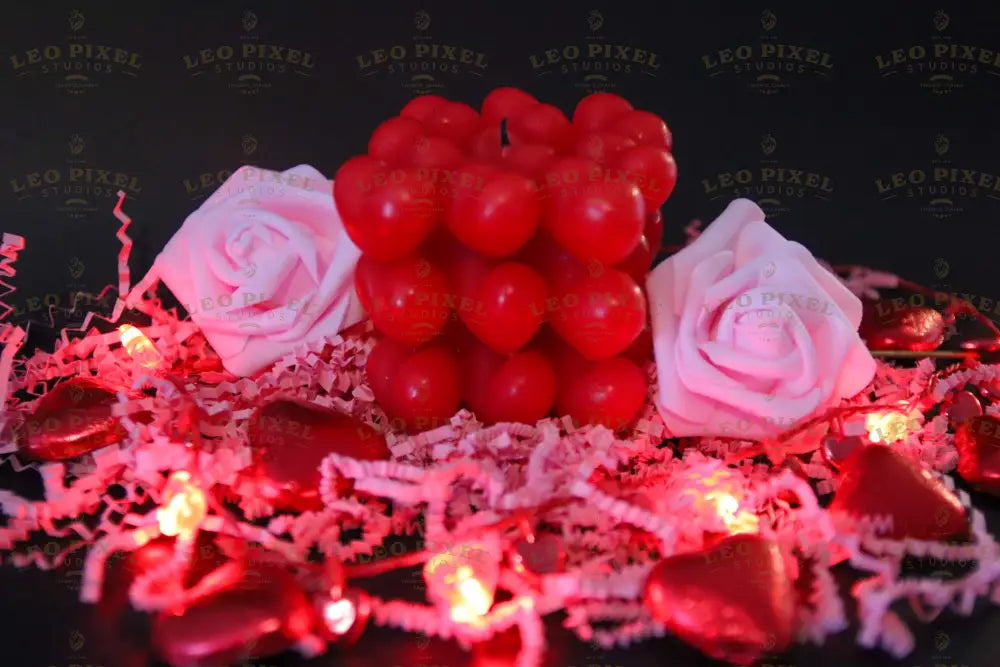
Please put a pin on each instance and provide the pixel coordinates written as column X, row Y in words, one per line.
column 139, row 347
column 720, row 492
column 184, row 507
column 892, row 426
column 737, row 520
column 342, row 618
column 339, row 615
column 463, row 579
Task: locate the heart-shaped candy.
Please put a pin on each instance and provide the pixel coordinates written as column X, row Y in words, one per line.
column 836, row 448
column 610, row 392
column 520, row 387
column 734, row 601
column 978, row 442
column 407, row 299
column 544, row 555
column 290, row 439
column 600, row 316
column 877, row 481
column 72, row 419
column 891, row 326
column 418, row 389
column 264, row 618
column 509, row 307
column 963, row 406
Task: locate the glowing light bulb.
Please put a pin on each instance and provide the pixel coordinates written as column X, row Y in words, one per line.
column 473, row 598
column 463, row 579
column 139, row 347
column 728, row 508
column 892, row 426
column 720, row 492
column 339, row 615
column 183, row 508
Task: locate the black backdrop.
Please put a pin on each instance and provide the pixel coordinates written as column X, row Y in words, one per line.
column 890, row 105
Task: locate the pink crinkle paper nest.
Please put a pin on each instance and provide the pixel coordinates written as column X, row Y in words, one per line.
column 617, row 503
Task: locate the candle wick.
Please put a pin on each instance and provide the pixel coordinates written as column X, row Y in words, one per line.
column 504, row 139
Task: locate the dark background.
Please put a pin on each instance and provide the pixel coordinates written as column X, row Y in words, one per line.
column 170, row 129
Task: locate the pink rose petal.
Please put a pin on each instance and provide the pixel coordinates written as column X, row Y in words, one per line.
column 263, row 266
column 749, row 329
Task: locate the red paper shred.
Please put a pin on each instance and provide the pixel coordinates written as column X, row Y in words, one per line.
column 616, row 504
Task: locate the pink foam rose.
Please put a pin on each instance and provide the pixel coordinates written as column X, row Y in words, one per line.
column 751, row 334
column 264, row 265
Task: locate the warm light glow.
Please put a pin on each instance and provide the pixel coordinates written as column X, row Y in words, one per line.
column 139, row 347
column 891, row 426
column 473, row 600
column 339, row 615
column 463, row 580
column 728, row 508
column 720, row 492
column 183, row 507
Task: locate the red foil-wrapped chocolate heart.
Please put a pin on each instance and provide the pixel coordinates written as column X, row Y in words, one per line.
column 836, row 448
column 734, row 601
column 978, row 442
column 544, row 555
column 963, row 406
column 290, row 439
column 263, row 618
column 887, row 325
column 72, row 419
column 877, row 481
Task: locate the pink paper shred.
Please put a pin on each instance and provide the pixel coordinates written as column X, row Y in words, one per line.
column 616, row 504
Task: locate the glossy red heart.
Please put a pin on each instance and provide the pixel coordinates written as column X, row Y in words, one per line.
column 734, row 601
column 600, row 316
column 418, row 389
column 72, row 419
column 978, row 442
column 408, row 299
column 878, row 481
column 963, row 406
column 544, row 555
column 892, row 326
column 610, row 392
column 509, row 307
column 463, row 267
column 290, row 439
column 520, row 387
column 265, row 618
column 836, row 448
column 556, row 264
